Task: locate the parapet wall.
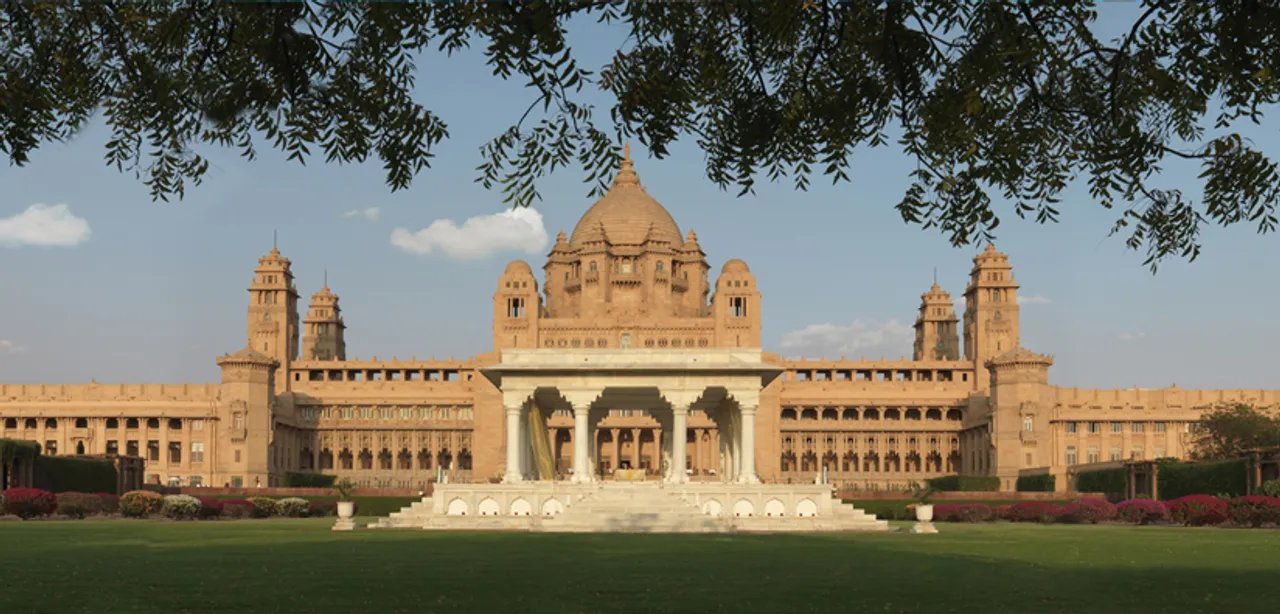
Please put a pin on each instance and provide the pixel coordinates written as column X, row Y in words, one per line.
column 1160, row 398
column 109, row 392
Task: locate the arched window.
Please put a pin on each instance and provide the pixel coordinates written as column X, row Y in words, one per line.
column 153, row 423
column 788, row 414
column 82, row 423
column 591, row 266
column 658, row 267
column 112, row 423
column 11, row 423
column 175, row 424
column 51, row 423
column 131, row 423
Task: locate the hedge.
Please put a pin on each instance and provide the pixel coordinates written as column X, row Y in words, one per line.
column 1177, row 480
column 891, row 509
column 1036, row 483
column 68, row 474
column 376, row 505
column 1112, row 482
column 965, row 483
column 308, row 480
column 14, row 449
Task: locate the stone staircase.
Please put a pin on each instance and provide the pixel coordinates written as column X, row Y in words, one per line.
column 632, row 508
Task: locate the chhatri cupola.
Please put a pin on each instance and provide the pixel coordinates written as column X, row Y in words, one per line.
column 626, row 258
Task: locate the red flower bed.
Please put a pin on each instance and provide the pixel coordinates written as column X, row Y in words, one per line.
column 238, row 508
column 1087, row 511
column 1254, row 511
column 1001, row 512
column 1034, row 511
column 110, row 502
column 210, row 508
column 961, row 512
column 1142, row 511
column 1197, row 510
column 29, row 502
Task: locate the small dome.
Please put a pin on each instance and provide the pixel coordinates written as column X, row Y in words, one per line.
column 627, row 214
column 735, row 266
column 518, row 266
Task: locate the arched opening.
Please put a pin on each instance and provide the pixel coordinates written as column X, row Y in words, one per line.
column 11, row 423
column 830, row 414
column 788, row 414
column 424, row 459
column 346, row 459
column 131, row 423
column 305, row 459
column 913, row 413
column 384, row 459
column 444, row 459
column 51, row 423
column 175, row 424
column 955, row 415
column 405, row 460
column 871, row 414
column 153, row 423
column 788, row 461
column 82, row 423
column 464, row 460
column 112, row 424
column 80, row 447
column 366, row 459
column 809, row 413
column 326, row 459
column 892, row 414
column 849, row 414
column 850, row 462
column 29, row 423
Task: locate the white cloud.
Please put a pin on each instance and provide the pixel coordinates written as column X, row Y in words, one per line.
column 892, row 339
column 1132, row 336
column 1033, row 300
column 44, row 226
column 9, row 347
column 368, row 213
column 518, row 229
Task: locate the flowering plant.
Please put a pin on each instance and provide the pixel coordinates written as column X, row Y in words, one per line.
column 141, row 503
column 1142, row 511
column 1198, row 510
column 181, row 507
column 29, row 502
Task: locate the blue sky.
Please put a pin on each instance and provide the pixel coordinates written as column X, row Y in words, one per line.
column 157, row 290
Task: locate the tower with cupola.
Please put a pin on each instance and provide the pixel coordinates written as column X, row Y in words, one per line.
column 991, row 311
column 516, row 308
column 937, row 336
column 273, row 326
column 325, row 337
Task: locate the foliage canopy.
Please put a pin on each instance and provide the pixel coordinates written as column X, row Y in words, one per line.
column 1232, row 430
column 1016, row 99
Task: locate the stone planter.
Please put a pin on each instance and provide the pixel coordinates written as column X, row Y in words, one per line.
column 924, row 513
column 347, row 509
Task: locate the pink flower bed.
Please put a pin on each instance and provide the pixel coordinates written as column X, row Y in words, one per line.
column 961, row 512
column 1197, row 510
column 29, row 502
column 1142, row 511
column 1087, row 511
column 1034, row 511
column 210, row 508
column 1254, row 511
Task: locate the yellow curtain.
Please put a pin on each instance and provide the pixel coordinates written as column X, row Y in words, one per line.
column 543, row 459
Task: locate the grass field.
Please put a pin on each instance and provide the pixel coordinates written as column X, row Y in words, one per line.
column 301, row 566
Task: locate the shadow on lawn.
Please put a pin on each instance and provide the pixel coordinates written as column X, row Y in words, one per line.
column 518, row 572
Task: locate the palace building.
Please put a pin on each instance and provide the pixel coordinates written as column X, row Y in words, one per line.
column 632, row 358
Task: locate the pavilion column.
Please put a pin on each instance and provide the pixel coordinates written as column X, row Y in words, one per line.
column 679, row 445
column 515, row 472
column 616, row 461
column 581, row 444
column 747, row 445
column 635, row 448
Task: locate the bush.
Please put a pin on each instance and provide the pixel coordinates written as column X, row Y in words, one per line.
column 330, row 508
column 308, row 480
column 263, row 507
column 1111, row 482
column 181, row 507
column 1087, row 511
column 1142, row 511
column 965, row 483
column 78, row 505
column 1036, row 483
column 140, row 503
column 1197, row 510
column 238, row 508
column 961, row 512
column 1179, row 480
column 1271, row 488
column 210, row 508
column 29, row 502
column 1002, row 512
column 1034, row 511
column 110, row 502
column 69, row 474
column 293, row 507
column 1254, row 511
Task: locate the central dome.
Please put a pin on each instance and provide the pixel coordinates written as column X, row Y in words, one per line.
column 626, row 214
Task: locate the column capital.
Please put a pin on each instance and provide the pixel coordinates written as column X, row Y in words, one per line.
column 514, row 400
column 580, row 399
column 681, row 400
column 746, row 398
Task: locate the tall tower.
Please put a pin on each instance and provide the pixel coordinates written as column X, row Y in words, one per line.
column 273, row 314
column 736, row 307
column 937, row 336
column 991, row 312
column 325, row 337
column 516, row 308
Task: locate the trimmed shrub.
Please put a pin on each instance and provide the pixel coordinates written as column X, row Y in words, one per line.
column 263, row 507
column 962, row 512
column 238, row 508
column 1087, row 511
column 69, row 474
column 78, row 505
column 1034, row 511
column 965, row 483
column 330, row 508
column 1002, row 512
column 292, row 507
column 1254, row 511
column 28, row 503
column 110, row 502
column 1111, row 482
column 210, row 508
column 181, row 507
column 1142, row 511
column 1037, row 483
column 140, row 503
column 1179, row 480
column 1197, row 510
column 308, row 480
column 1271, row 488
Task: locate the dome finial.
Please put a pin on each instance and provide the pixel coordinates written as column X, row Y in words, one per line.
column 627, row 174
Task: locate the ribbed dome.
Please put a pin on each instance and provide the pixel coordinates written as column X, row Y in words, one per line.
column 626, row 213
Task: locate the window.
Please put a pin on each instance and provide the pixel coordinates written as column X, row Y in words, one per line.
column 51, row 423
column 1115, row 453
column 1158, row 427
column 1028, row 424
column 1071, row 427
column 197, row 425
column 237, row 421
column 11, row 423
column 1071, row 455
column 1138, row 427
column 131, row 423
column 1095, row 427
column 131, row 447
column 738, row 307
column 175, row 452
column 591, row 266
column 112, row 424
column 196, row 481
column 197, row 451
column 153, row 423
column 237, row 481
column 29, row 423
column 658, row 267
column 626, row 267
column 113, row 447
column 153, row 450
column 1137, row 453
column 1093, row 454
column 1117, row 427
column 515, row 308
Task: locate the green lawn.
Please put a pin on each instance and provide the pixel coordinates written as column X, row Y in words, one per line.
column 301, row 566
